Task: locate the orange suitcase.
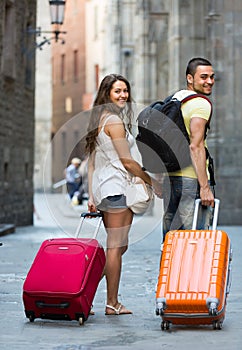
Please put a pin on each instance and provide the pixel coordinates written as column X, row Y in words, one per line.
column 195, row 276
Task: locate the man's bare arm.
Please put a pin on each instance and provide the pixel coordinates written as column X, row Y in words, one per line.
column 198, row 155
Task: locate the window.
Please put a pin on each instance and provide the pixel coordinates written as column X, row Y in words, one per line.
column 68, row 104
column 6, row 172
column 9, row 42
column 63, row 146
column 96, row 76
column 6, row 183
column 28, row 51
column 95, row 22
column 76, row 136
column 75, row 66
column 26, row 170
column 62, row 69
column 53, row 71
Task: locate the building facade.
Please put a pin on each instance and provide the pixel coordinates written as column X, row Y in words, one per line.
column 68, row 84
column 17, row 84
column 150, row 42
column 43, row 102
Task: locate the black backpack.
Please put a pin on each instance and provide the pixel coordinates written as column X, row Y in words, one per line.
column 162, row 137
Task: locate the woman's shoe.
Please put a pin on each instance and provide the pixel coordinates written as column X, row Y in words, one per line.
column 121, row 310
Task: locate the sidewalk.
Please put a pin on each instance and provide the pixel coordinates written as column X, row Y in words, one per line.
column 5, row 229
column 56, row 218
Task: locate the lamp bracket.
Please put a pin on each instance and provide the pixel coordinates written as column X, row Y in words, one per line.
column 38, row 32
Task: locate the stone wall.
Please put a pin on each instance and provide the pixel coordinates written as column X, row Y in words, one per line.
column 17, row 79
column 226, row 52
column 169, row 33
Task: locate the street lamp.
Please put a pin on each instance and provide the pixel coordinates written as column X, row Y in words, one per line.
column 57, row 10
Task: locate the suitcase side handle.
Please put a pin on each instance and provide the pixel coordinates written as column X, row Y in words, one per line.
column 215, row 214
column 42, row 304
column 89, row 215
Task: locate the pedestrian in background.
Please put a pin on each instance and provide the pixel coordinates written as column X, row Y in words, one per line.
column 73, row 177
column 109, row 142
column 83, row 171
column 181, row 188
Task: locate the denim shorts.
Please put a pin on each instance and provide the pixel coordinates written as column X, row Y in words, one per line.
column 117, row 201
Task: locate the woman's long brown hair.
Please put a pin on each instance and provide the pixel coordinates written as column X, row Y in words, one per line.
column 102, row 103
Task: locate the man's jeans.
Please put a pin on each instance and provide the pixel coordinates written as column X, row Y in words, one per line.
column 179, row 199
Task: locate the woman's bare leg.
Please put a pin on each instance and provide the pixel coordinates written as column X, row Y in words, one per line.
column 117, row 224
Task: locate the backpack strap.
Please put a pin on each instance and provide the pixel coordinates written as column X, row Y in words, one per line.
column 190, row 97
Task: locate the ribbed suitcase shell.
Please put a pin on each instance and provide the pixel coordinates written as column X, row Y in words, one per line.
column 194, row 272
column 63, row 279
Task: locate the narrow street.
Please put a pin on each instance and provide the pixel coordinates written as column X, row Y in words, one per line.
column 54, row 217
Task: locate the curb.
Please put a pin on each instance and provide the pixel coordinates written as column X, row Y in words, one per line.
column 5, row 229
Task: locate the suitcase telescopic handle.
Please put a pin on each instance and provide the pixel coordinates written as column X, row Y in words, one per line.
column 89, row 215
column 215, row 214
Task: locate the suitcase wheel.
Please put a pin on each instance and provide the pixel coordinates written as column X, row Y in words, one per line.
column 30, row 315
column 81, row 321
column 165, row 325
column 31, row 318
column 218, row 324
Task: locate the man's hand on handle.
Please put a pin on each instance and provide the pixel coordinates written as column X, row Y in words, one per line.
column 206, row 195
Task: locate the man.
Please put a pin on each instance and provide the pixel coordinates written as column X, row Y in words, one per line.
column 73, row 177
column 182, row 187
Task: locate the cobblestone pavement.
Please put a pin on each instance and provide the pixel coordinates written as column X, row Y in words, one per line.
column 55, row 217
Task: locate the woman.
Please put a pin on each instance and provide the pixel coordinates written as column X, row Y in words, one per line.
column 110, row 146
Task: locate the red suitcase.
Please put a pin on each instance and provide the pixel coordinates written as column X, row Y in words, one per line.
column 62, row 281
column 195, row 276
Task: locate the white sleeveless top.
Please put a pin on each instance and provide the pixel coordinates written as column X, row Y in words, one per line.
column 108, row 180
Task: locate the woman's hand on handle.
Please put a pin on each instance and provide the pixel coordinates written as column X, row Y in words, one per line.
column 91, row 206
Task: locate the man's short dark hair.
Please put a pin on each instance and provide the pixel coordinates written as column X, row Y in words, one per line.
column 194, row 63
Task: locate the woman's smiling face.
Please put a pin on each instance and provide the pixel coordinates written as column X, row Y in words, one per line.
column 119, row 93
